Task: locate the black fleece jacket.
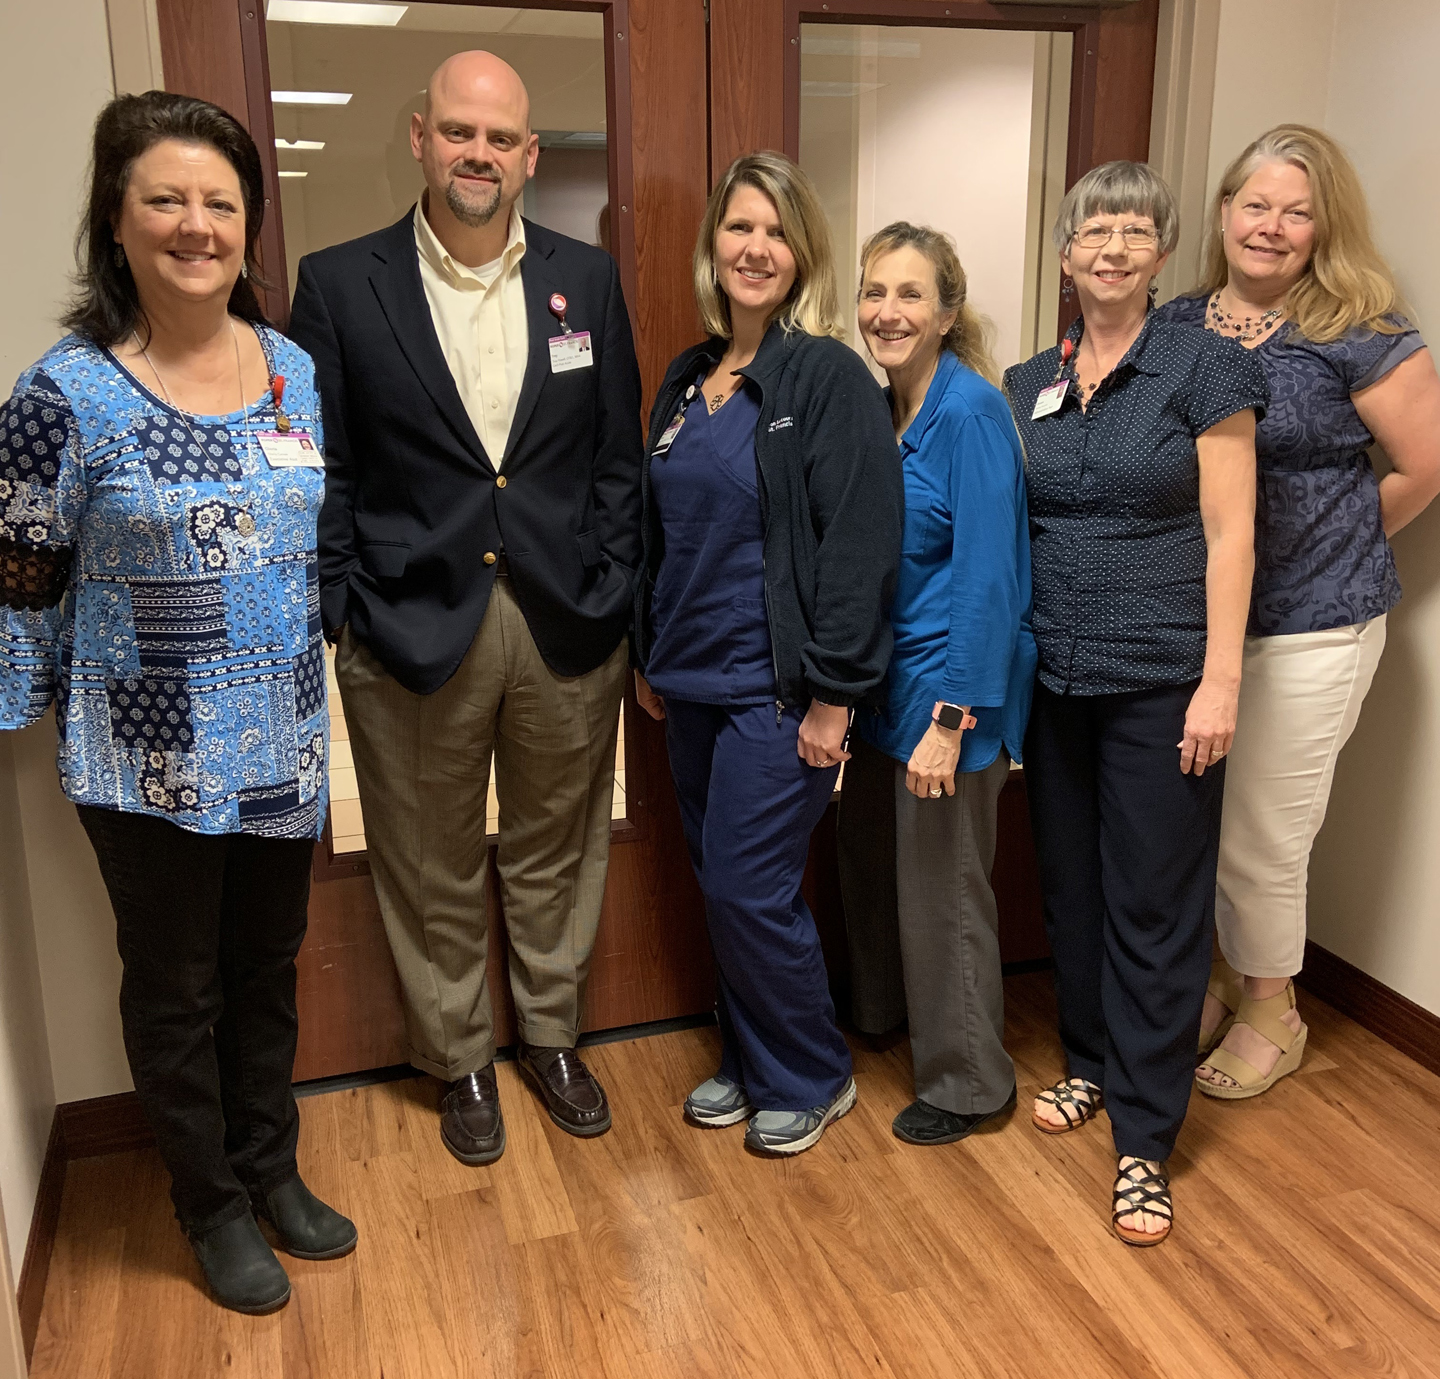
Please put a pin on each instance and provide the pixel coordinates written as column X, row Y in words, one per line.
column 833, row 507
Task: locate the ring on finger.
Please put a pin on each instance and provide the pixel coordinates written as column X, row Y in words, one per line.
column 936, row 792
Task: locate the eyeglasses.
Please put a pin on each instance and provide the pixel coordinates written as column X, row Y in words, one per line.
column 1099, row 236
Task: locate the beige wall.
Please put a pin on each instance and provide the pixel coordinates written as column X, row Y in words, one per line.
column 1364, row 72
column 46, row 147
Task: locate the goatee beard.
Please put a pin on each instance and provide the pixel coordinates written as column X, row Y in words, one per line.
column 466, row 211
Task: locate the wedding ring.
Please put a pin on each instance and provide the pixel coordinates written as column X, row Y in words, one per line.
column 935, row 794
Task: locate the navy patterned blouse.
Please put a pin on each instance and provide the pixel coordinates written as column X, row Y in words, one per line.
column 1117, row 547
column 1321, row 557
column 158, row 582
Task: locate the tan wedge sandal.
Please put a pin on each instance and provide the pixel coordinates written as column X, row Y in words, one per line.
column 1264, row 1018
column 1228, row 987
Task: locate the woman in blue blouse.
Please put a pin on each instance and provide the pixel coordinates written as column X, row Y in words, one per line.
column 1293, row 274
column 917, row 818
column 160, row 477
column 1140, row 474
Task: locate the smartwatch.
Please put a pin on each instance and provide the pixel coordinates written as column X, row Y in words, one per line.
column 952, row 716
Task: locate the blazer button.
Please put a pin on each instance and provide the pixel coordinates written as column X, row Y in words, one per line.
column 490, row 557
column 501, row 482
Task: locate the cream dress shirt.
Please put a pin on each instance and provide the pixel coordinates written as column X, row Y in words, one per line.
column 479, row 315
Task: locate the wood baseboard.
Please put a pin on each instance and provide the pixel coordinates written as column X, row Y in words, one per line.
column 44, row 1222
column 1397, row 1020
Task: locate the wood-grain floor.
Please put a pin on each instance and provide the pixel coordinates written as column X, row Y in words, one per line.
column 1307, row 1240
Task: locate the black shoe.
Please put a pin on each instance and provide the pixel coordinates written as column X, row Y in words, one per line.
column 307, row 1228
column 922, row 1123
column 241, row 1268
column 470, row 1120
column 573, row 1096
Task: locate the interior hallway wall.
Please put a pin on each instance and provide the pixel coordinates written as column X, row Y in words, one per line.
column 47, row 146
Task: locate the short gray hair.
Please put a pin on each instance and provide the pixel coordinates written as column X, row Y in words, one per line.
column 1113, row 189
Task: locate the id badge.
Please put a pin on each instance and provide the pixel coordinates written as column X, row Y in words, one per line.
column 290, row 450
column 1050, row 399
column 571, row 351
column 667, row 436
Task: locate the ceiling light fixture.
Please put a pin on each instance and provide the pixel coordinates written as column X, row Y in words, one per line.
column 300, row 145
column 310, row 97
column 285, row 172
column 332, row 12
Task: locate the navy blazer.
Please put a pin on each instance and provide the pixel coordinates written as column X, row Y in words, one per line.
column 411, row 503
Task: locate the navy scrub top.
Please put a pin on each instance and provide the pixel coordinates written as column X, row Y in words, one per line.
column 712, row 635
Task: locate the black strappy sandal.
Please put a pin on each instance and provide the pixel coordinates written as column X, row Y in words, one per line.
column 1076, row 1109
column 1139, row 1188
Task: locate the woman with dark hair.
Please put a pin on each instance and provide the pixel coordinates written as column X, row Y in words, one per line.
column 160, row 477
column 772, row 502
column 922, row 790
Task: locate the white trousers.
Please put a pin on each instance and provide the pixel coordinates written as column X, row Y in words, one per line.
column 1300, row 697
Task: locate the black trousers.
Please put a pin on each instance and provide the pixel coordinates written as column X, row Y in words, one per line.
column 1127, row 848
column 208, row 927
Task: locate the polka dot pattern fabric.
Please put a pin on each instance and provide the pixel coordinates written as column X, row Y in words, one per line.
column 1117, row 546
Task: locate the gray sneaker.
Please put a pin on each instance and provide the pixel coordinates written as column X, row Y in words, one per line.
column 790, row 1132
column 718, row 1102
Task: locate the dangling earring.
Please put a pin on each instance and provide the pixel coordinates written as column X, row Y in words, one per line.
column 119, row 256
column 244, row 269
column 1067, row 288
column 1154, row 291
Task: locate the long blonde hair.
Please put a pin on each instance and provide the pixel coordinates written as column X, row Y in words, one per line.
column 969, row 338
column 1346, row 283
column 813, row 303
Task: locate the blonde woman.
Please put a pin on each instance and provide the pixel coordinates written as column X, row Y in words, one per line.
column 1292, row 274
column 917, row 821
column 772, row 503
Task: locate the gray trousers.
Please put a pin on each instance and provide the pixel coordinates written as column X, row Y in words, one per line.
column 923, row 929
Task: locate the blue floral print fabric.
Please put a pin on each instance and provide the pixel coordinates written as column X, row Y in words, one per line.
column 185, row 658
column 1321, row 557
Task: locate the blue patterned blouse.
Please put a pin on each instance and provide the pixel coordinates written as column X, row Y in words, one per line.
column 1321, row 557
column 183, row 647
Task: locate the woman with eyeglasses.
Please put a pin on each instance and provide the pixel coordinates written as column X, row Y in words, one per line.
column 1139, row 437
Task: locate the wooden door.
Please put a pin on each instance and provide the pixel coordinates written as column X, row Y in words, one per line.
column 652, row 958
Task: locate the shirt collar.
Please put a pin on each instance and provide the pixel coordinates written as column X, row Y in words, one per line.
column 452, row 270
column 915, row 432
column 1144, row 354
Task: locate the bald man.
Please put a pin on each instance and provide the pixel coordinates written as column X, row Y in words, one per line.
column 478, row 545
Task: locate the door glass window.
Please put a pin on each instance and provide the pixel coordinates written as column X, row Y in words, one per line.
column 960, row 129
column 345, row 80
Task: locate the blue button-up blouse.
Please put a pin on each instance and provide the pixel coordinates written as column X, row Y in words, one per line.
column 1117, row 544
column 1321, row 556
column 185, row 658
column 962, row 601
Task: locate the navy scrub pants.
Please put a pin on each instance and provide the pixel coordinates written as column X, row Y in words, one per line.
column 748, row 805
column 1127, row 848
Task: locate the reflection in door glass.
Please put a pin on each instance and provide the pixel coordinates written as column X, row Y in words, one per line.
column 345, row 79
column 960, row 129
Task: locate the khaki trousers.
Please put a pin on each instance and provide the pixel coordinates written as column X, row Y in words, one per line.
column 422, row 762
column 1300, row 697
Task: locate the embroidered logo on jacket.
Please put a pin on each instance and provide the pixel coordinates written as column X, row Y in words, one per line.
column 780, row 423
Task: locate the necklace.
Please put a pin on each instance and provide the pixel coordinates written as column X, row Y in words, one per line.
column 1251, row 328
column 186, row 416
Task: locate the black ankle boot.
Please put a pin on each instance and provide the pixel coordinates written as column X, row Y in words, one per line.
column 241, row 1268
column 307, row 1228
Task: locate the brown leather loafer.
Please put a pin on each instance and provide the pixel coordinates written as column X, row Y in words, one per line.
column 575, row 1100
column 470, row 1121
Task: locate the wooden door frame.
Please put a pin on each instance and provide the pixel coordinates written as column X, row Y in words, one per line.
column 652, row 961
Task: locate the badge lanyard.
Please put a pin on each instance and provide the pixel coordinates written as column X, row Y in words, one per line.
column 572, row 349
column 1051, row 399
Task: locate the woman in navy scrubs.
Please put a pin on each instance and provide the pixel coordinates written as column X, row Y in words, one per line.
column 773, row 510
